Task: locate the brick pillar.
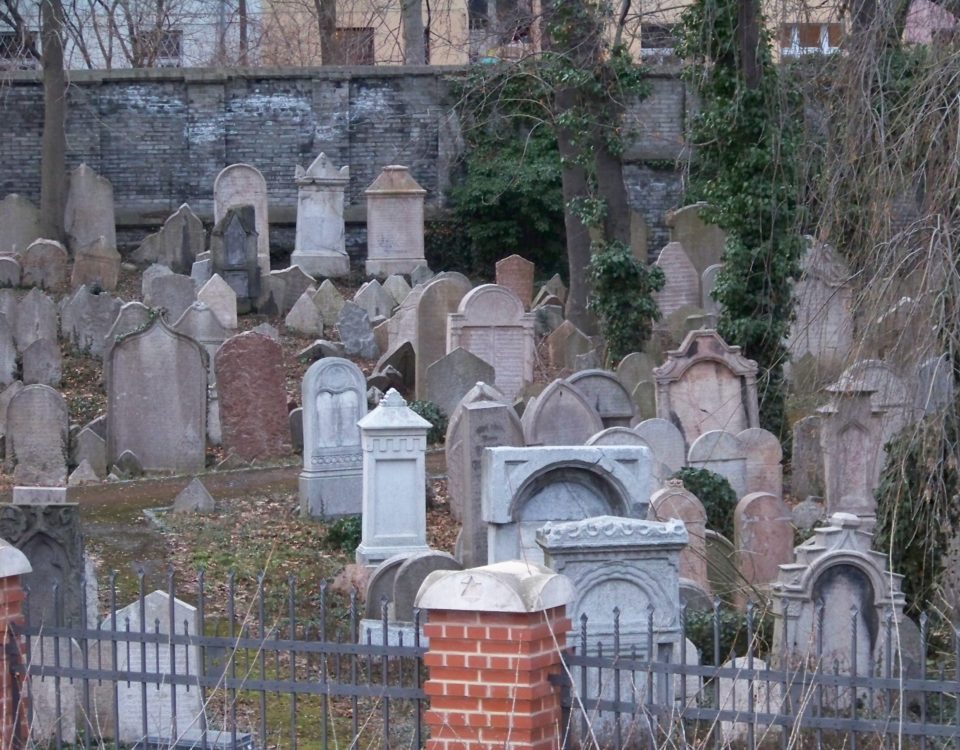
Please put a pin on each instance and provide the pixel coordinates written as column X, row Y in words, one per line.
column 496, row 636
column 13, row 694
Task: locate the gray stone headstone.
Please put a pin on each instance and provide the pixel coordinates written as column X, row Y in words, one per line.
column 220, row 297
column 411, row 575
column 808, row 513
column 560, row 416
column 42, row 363
column 243, row 187
column 304, row 318
column 83, row 474
column 177, row 244
column 329, row 301
column 202, row 271
column 172, row 294
column 86, row 318
column 295, row 282
column 565, row 344
column 5, row 397
column 155, row 271
column 233, row 250
column 421, row 274
column 8, row 353
column 379, row 589
column 353, row 324
column 96, row 263
column 548, row 319
column 449, row 378
column 194, row 498
column 265, row 329
column 92, row 448
column 722, row 453
column 296, row 429
column 44, row 264
column 36, row 318
column 10, row 271
column 397, row 287
column 438, row 299
column 37, row 439
column 89, row 209
column 373, row 298
column 19, row 223
column 606, row 394
column 806, row 476
column 128, row 465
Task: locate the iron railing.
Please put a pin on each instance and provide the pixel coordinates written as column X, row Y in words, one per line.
column 263, row 667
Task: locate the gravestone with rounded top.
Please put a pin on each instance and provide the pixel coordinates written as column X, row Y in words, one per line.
column 44, row 264
column 394, row 222
column 319, row 246
column 565, row 344
column 763, row 536
column 764, row 461
column 244, row 185
column 681, row 280
column 426, row 327
column 702, row 242
column 36, row 437
column 606, row 395
column 722, row 453
column 560, row 415
column 675, row 501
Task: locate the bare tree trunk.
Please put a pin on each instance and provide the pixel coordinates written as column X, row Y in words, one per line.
column 413, row 43
column 748, row 28
column 330, row 52
column 242, row 21
column 53, row 166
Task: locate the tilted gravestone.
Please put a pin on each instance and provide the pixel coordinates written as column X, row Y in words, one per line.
column 36, row 318
column 452, row 376
column 86, row 319
column 88, row 213
column 42, row 363
column 675, row 501
column 177, row 244
column 96, row 263
column 438, row 299
column 219, row 296
column 606, row 395
column 681, row 280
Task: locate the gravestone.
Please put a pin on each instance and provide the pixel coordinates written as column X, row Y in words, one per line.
column 233, row 250
column 329, row 301
column 702, row 242
column 253, row 398
column 304, row 318
column 421, row 275
column 373, row 298
column 452, row 376
column 87, row 317
column 476, row 425
column 934, row 385
column 156, row 271
column 681, row 280
column 723, row 567
column 379, row 590
column 293, row 283
column 44, row 264
column 557, row 288
column 438, row 299
column 202, row 270
column 157, row 399
column 548, row 318
column 394, row 444
column 516, row 274
column 564, row 344
column 201, row 324
column 10, row 271
column 96, row 263
column 320, row 246
column 296, row 429
column 410, row 577
column 36, row 318
column 722, row 453
column 635, row 368
column 523, row 488
column 491, row 324
column 394, row 223
column 194, row 498
column 178, row 243
column 676, row 502
column 708, row 281
column 763, row 536
column 764, row 461
column 36, row 437
column 42, row 363
column 606, row 395
column 334, row 400
column 823, row 310
column 133, row 316
column 241, row 185
column 6, row 396
column 707, row 385
column 890, row 396
column 158, row 616
column 20, row 223
column 219, row 296
column 88, row 213
column 560, row 415
column 401, row 362
column 617, row 436
column 806, row 464
column 171, row 294
column 8, row 353
column 92, row 448
column 397, row 287
column 353, row 325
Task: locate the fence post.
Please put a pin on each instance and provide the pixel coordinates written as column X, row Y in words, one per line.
column 496, row 636
column 13, row 698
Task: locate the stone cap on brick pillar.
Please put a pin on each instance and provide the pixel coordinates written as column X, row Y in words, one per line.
column 512, row 586
column 12, row 561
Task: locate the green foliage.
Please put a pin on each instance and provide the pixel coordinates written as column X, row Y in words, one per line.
column 716, row 494
column 432, row 413
column 747, row 139
column 699, row 627
column 622, row 298
column 345, row 533
column 917, row 509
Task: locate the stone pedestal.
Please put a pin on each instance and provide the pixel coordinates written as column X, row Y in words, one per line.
column 320, row 248
column 394, row 442
column 394, row 223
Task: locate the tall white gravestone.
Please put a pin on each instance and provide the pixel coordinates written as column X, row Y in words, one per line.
column 394, row 223
column 320, row 246
column 394, row 442
column 334, row 401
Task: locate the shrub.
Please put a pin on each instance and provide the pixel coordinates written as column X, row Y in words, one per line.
column 345, row 533
column 699, row 628
column 716, row 494
column 432, row 413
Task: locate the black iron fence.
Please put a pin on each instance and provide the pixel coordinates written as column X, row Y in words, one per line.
column 228, row 666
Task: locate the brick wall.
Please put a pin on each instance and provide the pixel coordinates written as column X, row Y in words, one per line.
column 13, row 705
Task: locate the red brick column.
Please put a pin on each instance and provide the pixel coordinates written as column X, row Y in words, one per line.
column 13, row 695
column 496, row 636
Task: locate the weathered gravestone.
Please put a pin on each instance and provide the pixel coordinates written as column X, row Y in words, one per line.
column 92, row 448
column 304, row 318
column 681, row 280
column 88, row 213
column 516, row 274
column 37, row 438
column 253, row 399
column 241, row 185
column 96, row 263
column 438, row 299
column 806, row 464
column 560, row 415
column 708, row 282
column 36, row 318
column 353, row 325
column 707, row 385
column 606, row 395
column 19, row 223
column 329, row 301
column 450, row 378
column 172, row 294
column 565, row 343
column 10, row 271
column 394, row 222
column 523, row 488
column 722, row 453
column 157, row 614
column 491, row 324
column 373, row 298
column 764, row 461
column 763, row 537
column 233, row 250
column 397, row 287
column 157, row 399
column 674, row 501
column 133, row 316
column 42, row 363
column 410, row 576
column 8, row 353
column 287, row 286
column 334, row 401
column 702, row 242
column 320, row 247
column 44, row 264
column 201, row 324
column 219, row 296
column 6, row 396
column 177, row 244
column 86, row 319
column 194, row 498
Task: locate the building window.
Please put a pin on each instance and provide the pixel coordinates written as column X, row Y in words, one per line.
column 657, row 39
column 14, row 51
column 809, row 38
column 356, row 45
column 158, row 48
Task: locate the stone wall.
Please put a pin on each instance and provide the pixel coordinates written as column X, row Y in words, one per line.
column 161, row 136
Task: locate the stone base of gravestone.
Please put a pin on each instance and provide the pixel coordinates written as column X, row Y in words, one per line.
column 331, row 496
column 332, row 265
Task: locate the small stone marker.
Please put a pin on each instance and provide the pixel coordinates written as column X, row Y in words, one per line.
column 451, row 377
column 92, row 448
column 177, row 244
column 194, row 498
column 304, row 318
column 329, row 301
column 377, row 301
column 219, row 296
column 82, row 475
column 397, row 287
column 438, row 299
column 763, row 537
column 410, row 576
column 722, row 453
column 294, row 283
